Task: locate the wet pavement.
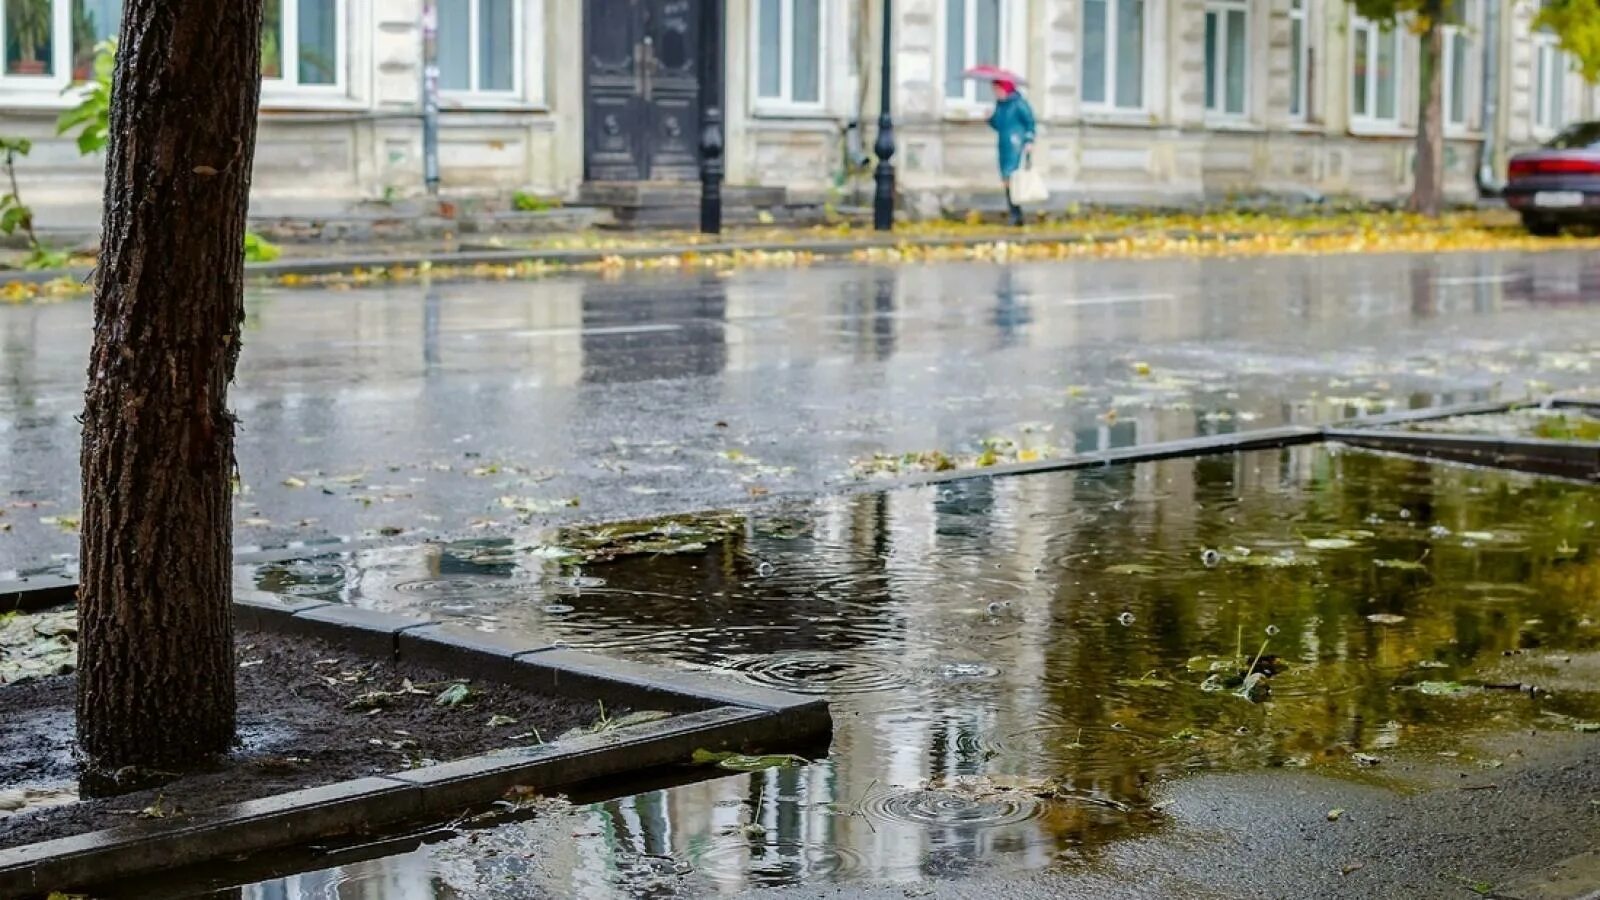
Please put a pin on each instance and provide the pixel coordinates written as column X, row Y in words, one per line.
column 1044, row 686
column 1039, row 685
column 471, row 407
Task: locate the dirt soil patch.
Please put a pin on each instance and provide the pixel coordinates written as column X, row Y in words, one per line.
column 309, row 714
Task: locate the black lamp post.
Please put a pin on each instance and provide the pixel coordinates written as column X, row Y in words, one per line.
column 883, row 199
column 711, row 138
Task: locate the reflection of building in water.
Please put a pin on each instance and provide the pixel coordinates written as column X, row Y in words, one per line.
column 405, row 877
column 665, row 328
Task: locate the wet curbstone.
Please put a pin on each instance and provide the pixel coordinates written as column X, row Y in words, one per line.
column 363, row 630
column 102, row 857
column 37, row 593
column 254, row 614
column 475, row 654
column 575, row 673
column 450, row 787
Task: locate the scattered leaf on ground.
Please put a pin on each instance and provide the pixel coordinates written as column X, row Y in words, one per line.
column 454, row 695
column 1335, row 814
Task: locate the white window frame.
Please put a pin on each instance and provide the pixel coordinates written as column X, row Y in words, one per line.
column 785, row 103
column 1221, row 8
column 1370, row 119
column 1300, row 94
column 970, row 98
column 1110, row 106
column 466, row 96
column 42, row 90
column 286, row 89
column 1468, row 31
column 1550, row 68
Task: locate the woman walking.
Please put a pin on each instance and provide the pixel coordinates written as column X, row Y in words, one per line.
column 1012, row 121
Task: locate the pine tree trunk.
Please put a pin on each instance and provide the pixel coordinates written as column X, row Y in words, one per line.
column 1427, row 192
column 155, row 678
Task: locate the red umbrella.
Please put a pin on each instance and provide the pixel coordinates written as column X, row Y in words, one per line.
column 993, row 73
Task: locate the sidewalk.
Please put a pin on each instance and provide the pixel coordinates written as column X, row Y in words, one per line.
column 475, row 250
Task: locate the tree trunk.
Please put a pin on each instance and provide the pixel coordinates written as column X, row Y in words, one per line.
column 1427, row 192
column 155, row 678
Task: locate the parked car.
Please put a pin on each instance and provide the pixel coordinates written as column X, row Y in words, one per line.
column 1558, row 184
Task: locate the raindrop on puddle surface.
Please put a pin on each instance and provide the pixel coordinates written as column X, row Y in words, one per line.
column 1125, row 619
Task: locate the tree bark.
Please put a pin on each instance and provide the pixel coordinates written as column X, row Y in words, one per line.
column 1427, row 191
column 156, row 670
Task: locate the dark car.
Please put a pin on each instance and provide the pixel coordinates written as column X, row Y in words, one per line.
column 1558, row 184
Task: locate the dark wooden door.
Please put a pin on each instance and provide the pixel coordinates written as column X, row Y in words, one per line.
column 642, row 90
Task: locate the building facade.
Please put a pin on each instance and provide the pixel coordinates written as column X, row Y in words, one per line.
column 1137, row 100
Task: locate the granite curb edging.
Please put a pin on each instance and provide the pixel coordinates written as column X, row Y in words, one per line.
column 1571, row 459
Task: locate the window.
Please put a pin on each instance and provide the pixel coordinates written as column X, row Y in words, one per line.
column 302, row 44
column 477, row 46
column 1550, row 83
column 971, row 38
column 50, row 43
column 1459, row 63
column 1227, row 56
column 1375, row 71
column 1299, row 61
column 789, row 52
column 1113, row 53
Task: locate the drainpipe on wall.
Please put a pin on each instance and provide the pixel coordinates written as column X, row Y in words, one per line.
column 1488, row 181
column 430, row 97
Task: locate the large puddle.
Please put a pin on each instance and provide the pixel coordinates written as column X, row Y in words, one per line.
column 1015, row 666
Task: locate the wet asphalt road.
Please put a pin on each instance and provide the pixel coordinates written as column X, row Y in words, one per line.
column 469, row 408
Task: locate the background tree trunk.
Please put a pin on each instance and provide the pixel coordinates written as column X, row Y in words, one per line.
column 155, row 679
column 1427, row 192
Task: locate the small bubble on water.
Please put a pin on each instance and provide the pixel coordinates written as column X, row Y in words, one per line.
column 1117, row 505
column 1038, row 569
column 1125, row 619
column 1210, row 558
column 947, row 495
column 764, row 570
column 1272, row 630
column 1405, row 513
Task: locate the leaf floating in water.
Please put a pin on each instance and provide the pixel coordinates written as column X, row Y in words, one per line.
column 1148, row 679
column 1334, row 543
column 1443, row 688
column 1131, row 569
column 1405, row 564
column 1477, row 535
column 738, row 762
column 1365, row 759
column 1385, row 619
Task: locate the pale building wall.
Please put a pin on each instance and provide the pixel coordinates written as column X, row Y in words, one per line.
column 363, row 142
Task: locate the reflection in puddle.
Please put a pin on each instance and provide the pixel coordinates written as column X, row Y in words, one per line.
column 1015, row 666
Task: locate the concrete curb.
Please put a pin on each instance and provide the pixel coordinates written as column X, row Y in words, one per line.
column 710, row 715
column 477, row 254
column 1569, row 459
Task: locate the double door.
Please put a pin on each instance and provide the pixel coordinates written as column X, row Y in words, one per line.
column 642, row 89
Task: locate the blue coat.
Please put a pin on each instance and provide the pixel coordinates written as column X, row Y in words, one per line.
column 1013, row 121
